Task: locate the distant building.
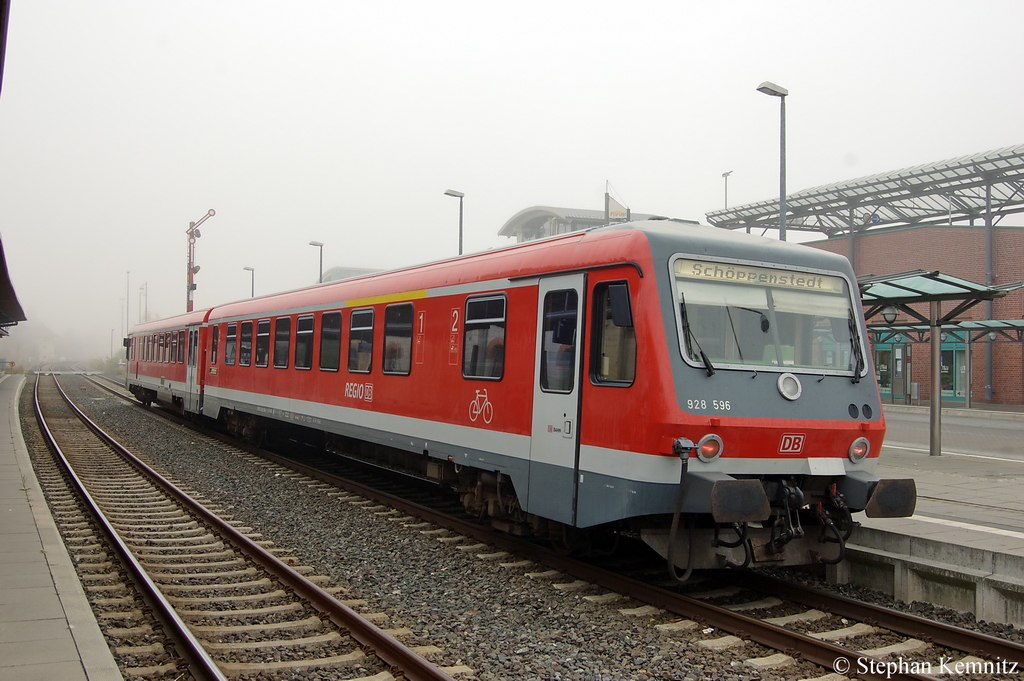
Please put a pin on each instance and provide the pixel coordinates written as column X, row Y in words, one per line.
column 339, row 273
column 539, row 222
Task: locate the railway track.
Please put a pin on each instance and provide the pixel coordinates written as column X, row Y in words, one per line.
column 791, row 624
column 183, row 591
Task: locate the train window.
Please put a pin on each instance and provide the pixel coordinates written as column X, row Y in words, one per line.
column 558, row 352
column 330, row 341
column 230, row 345
column 304, row 342
column 245, row 345
column 213, row 345
column 360, row 341
column 262, row 342
column 738, row 315
column 613, row 350
column 282, row 339
column 193, row 343
column 483, row 354
column 398, row 339
column 181, row 347
column 165, row 342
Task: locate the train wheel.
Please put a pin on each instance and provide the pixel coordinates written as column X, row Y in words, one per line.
column 567, row 540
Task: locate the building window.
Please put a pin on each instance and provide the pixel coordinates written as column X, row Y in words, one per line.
column 230, row 345
column 613, row 353
column 330, row 341
column 360, row 341
column 282, row 341
column 483, row 354
column 398, row 339
column 304, row 342
column 245, row 345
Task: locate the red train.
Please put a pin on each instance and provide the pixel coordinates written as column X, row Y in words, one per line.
column 642, row 377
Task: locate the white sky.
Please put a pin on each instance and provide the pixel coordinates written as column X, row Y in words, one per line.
column 343, row 122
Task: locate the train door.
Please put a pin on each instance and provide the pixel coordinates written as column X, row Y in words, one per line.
column 192, row 389
column 554, row 448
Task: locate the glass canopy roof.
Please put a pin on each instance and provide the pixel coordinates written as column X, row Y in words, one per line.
column 954, row 190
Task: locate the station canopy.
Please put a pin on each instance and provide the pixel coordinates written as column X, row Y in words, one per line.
column 10, row 309
column 890, row 294
column 957, row 190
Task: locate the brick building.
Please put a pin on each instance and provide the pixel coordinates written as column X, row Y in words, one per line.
column 944, row 216
column 960, row 251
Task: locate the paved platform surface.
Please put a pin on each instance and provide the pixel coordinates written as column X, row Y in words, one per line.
column 967, row 498
column 47, row 629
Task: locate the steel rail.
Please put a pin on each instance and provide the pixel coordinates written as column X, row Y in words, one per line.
column 778, row 638
column 201, row 665
column 401, row 658
column 922, row 628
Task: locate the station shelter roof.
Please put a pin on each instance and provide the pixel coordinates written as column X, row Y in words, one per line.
column 10, row 309
column 893, row 293
column 955, row 190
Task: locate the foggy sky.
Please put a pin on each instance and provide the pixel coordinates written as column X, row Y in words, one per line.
column 344, row 122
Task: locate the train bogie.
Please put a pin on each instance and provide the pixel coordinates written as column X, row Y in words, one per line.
column 644, row 376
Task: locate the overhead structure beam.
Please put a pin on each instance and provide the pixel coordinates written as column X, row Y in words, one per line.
column 963, row 189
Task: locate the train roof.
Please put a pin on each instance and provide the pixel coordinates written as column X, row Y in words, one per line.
column 196, row 317
column 601, row 246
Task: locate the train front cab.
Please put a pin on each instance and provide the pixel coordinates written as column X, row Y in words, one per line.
column 779, row 423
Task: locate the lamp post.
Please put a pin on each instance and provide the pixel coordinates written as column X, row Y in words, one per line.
column 725, row 176
column 252, row 280
column 459, row 196
column 193, row 234
column 774, row 90
column 321, row 247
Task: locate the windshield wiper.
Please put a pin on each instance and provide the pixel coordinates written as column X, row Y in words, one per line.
column 692, row 338
column 855, row 346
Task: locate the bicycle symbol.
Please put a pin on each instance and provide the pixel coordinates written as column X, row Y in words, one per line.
column 481, row 406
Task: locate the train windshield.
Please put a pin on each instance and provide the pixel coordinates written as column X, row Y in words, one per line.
column 742, row 315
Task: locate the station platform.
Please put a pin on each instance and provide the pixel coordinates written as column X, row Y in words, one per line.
column 969, row 498
column 47, row 628
column 964, row 546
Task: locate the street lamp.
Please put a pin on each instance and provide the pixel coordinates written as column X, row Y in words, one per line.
column 252, row 281
column 726, row 175
column 458, row 195
column 889, row 314
column 321, row 247
column 774, row 90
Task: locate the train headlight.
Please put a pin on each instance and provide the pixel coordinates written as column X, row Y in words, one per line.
column 709, row 448
column 789, row 386
column 859, row 449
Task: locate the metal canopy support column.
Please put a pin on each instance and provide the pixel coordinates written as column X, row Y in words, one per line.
column 935, row 444
column 970, row 369
column 851, row 245
column 990, row 280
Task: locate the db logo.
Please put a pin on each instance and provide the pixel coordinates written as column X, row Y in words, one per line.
column 792, row 443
